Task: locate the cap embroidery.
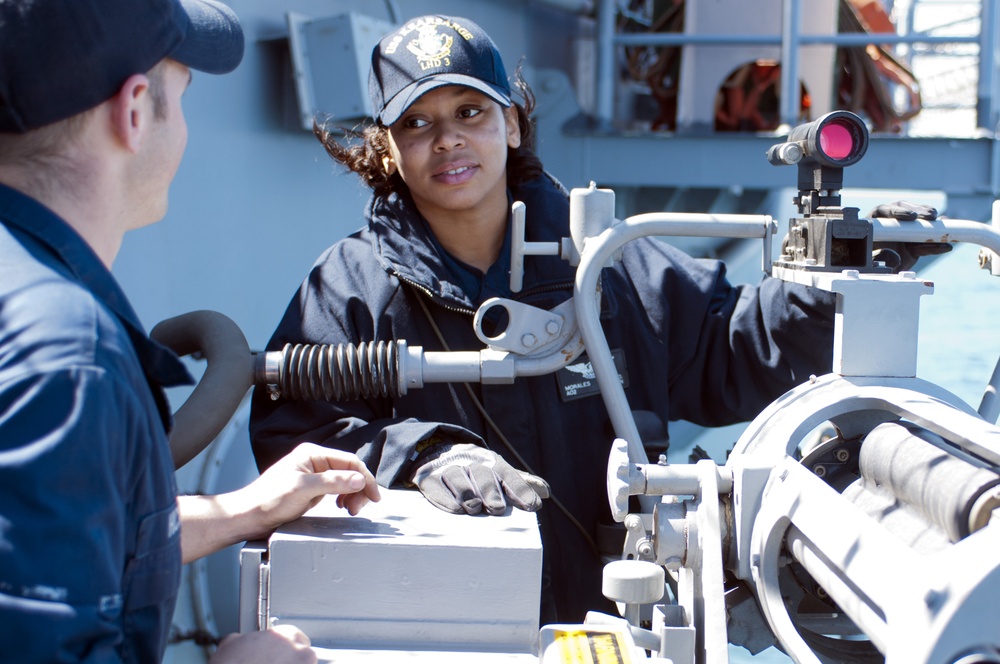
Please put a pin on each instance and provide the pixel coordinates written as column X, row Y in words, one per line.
column 431, row 48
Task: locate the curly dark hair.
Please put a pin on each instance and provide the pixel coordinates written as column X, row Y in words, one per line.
column 367, row 145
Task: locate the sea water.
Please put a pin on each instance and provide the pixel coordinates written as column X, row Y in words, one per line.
column 959, row 343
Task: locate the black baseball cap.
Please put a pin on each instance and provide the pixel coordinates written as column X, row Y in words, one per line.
column 430, row 52
column 59, row 58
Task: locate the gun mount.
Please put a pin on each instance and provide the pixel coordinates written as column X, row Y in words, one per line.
column 853, row 520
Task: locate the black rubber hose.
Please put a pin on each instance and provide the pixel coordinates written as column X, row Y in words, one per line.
column 230, row 373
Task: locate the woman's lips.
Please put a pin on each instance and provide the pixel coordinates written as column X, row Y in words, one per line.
column 455, row 173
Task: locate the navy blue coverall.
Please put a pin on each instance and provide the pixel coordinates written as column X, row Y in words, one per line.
column 90, row 556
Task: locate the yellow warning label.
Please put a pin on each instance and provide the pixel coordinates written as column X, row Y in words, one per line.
column 591, row 647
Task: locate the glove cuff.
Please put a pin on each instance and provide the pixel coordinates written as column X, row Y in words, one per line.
column 448, row 454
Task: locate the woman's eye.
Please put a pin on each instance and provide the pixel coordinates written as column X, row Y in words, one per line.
column 469, row 112
column 415, row 123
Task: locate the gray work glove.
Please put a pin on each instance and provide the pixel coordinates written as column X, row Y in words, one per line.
column 902, row 256
column 463, row 478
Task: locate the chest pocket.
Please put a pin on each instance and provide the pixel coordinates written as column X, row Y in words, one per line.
column 153, row 574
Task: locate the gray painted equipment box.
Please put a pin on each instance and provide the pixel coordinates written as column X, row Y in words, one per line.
column 400, row 576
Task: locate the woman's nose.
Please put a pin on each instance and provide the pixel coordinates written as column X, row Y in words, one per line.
column 448, row 137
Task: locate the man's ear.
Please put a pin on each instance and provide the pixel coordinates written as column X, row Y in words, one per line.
column 132, row 112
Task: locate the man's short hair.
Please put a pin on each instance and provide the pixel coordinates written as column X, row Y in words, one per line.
column 42, row 145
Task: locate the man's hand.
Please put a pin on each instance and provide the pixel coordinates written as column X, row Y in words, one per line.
column 467, row 478
column 283, row 493
column 279, row 645
column 902, row 256
column 299, row 480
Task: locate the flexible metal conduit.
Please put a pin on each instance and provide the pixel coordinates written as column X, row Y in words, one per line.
column 327, row 372
column 378, row 369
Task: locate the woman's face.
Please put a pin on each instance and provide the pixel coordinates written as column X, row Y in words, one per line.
column 450, row 148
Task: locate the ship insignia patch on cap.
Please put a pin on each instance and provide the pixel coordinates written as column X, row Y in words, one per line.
column 431, row 47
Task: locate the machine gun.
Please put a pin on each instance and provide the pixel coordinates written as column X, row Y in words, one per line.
column 873, row 542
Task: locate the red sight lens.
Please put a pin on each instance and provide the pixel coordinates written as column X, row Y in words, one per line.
column 836, row 141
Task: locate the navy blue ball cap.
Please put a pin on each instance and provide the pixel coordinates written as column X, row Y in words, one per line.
column 213, row 42
column 431, row 52
column 59, row 58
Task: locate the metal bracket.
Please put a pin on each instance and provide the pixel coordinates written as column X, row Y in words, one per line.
column 529, row 329
column 519, row 248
